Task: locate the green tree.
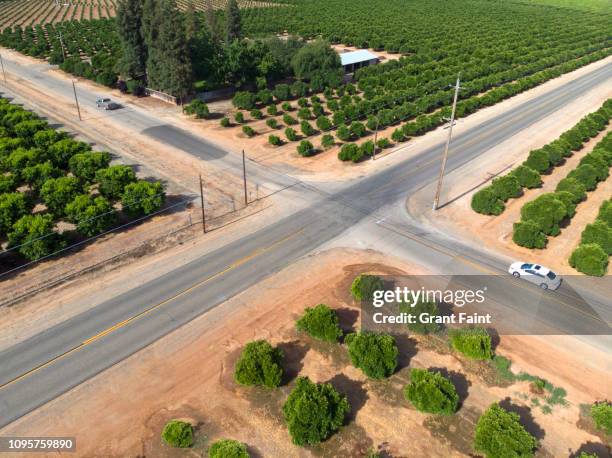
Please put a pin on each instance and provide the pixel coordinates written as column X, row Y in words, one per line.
column 85, row 165
column 317, row 60
column 259, row 364
column 590, row 259
column 58, row 192
column 143, row 197
column 228, row 448
column 233, row 22
column 499, row 433
column 13, row 206
column 314, row 412
column 178, row 434
column 133, row 59
column 601, row 412
column 431, row 392
column 364, row 286
column 34, row 236
column 375, row 354
column 475, row 343
column 114, row 179
column 320, row 322
column 91, row 215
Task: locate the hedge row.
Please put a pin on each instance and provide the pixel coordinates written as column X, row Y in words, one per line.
column 542, row 216
column 491, row 199
column 592, row 255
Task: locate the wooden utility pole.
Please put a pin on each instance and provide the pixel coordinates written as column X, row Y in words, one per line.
column 3, row 73
column 246, row 198
column 445, row 156
column 202, row 200
column 76, row 99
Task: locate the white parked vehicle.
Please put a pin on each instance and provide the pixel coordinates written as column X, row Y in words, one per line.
column 535, row 273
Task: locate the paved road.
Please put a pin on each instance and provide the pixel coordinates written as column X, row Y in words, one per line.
column 39, row 369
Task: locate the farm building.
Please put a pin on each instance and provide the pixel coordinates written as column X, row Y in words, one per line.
column 353, row 60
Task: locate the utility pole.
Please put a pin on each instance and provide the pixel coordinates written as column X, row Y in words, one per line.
column 76, row 99
column 2, row 65
column 246, row 198
column 445, row 156
column 202, row 200
column 375, row 137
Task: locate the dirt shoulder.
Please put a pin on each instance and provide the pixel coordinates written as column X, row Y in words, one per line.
column 188, row 374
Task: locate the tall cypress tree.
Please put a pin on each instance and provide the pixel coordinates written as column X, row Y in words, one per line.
column 233, row 27
column 134, row 51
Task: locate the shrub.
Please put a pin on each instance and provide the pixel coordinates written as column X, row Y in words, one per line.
column 323, row 123
column 306, row 128
column 239, row 117
column 538, row 160
column 585, row 174
column 327, row 141
column 574, row 187
column 225, row 122
column 13, row 206
column 374, row 354
column 350, row 152
column 142, row 197
column 35, row 237
column 178, row 434
column 487, row 202
column 114, row 179
column 305, row 148
column 527, row 177
column 529, row 235
column 199, row 108
column 601, row 412
column 320, row 322
column 272, row 110
column 314, row 412
column 605, row 212
column 274, row 140
column 547, row 211
column 58, row 192
column 227, row 448
column 272, row 123
column 256, row 114
column 91, row 215
column 506, row 187
column 590, row 259
column 499, row 433
column 289, row 120
column 259, row 364
column 474, row 343
column 248, row 131
column 431, row 392
column 430, row 308
column 291, row 134
column 244, row 100
column 85, row 165
column 364, row 286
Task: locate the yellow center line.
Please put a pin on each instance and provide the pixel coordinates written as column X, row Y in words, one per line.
column 125, row 322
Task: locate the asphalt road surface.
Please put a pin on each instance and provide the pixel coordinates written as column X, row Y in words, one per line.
column 46, row 365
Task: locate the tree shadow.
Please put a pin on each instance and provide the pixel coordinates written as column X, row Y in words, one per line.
column 462, row 384
column 407, row 348
column 293, row 355
column 347, row 318
column 526, row 417
column 354, row 391
column 592, row 448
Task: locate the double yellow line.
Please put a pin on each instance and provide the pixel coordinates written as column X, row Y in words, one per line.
column 150, row 309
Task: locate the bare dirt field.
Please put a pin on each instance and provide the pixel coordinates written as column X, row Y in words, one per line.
column 188, row 374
